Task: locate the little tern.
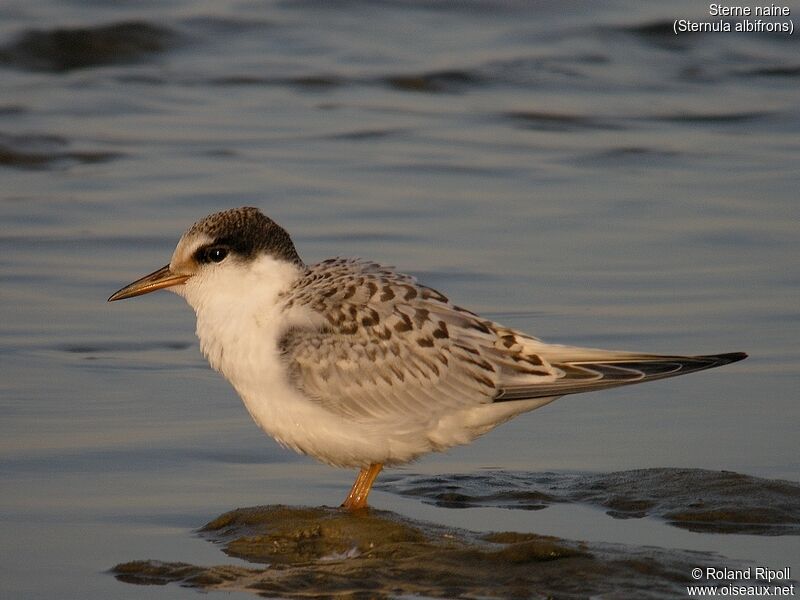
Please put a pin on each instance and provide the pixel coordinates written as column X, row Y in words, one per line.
column 360, row 366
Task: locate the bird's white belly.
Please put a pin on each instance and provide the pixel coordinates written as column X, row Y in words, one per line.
column 245, row 350
column 305, row 426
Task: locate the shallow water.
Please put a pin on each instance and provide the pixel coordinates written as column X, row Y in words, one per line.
column 567, row 169
column 329, row 553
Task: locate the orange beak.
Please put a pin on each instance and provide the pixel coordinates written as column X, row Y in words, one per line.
column 163, row 278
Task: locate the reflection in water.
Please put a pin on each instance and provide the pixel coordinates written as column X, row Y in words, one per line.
column 693, row 499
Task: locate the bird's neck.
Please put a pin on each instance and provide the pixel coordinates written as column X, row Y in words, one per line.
column 241, row 315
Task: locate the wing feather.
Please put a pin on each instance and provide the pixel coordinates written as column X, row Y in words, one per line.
column 387, row 348
column 617, row 369
column 383, row 347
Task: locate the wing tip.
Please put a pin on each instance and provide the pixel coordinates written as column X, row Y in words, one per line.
column 725, row 359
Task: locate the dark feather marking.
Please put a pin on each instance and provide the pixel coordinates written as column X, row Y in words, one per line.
column 508, row 340
column 430, row 293
column 486, row 366
column 349, row 328
column 411, row 292
column 397, row 372
column 404, row 325
column 414, row 364
column 372, row 318
column 421, row 315
column 461, row 309
column 480, row 326
column 441, row 331
column 534, row 360
column 468, row 349
column 433, row 367
column 482, row 379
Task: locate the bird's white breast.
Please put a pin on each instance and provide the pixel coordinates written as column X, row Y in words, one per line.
column 240, row 321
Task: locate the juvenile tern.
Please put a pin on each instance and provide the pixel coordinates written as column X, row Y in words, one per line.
column 360, row 366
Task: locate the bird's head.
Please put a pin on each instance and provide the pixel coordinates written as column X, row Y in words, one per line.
column 217, row 251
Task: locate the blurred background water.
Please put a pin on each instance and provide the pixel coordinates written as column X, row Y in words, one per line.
column 570, row 169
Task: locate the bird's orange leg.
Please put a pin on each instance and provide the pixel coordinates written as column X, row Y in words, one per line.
column 357, row 498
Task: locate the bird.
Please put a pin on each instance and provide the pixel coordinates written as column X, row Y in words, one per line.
column 361, row 366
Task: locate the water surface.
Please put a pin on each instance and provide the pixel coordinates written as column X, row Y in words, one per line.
column 569, row 169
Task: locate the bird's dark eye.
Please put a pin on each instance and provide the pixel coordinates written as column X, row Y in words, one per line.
column 217, row 254
column 212, row 254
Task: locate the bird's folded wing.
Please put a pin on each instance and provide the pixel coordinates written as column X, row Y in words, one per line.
column 366, row 376
column 383, row 346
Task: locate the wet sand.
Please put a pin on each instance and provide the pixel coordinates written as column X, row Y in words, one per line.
column 329, row 553
column 300, row 552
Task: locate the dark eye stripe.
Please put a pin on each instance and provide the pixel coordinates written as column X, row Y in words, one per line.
column 214, row 253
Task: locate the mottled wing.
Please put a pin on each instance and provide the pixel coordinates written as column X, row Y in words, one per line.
column 390, row 347
column 386, row 347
